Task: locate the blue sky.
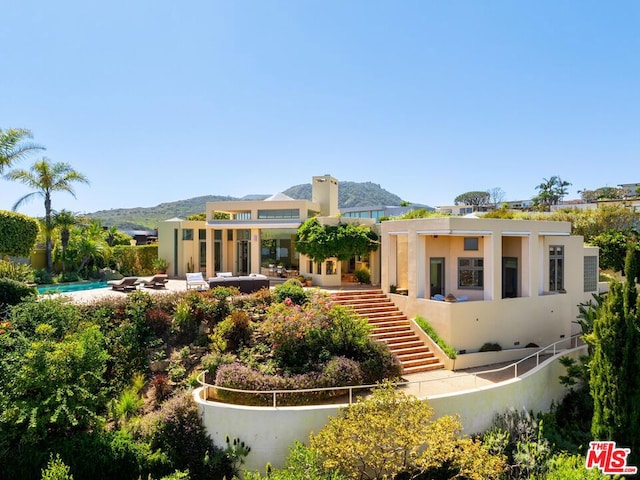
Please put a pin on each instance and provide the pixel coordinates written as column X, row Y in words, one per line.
column 158, row 101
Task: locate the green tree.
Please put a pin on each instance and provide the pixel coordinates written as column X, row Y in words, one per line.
column 393, row 435
column 46, row 178
column 614, row 382
column 550, row 192
column 343, row 241
column 478, row 198
column 64, row 220
column 14, row 145
column 613, row 246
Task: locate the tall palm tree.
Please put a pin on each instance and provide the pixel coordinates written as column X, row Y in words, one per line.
column 45, row 178
column 64, row 220
column 13, row 146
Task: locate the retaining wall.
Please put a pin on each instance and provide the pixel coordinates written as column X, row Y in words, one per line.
column 270, row 432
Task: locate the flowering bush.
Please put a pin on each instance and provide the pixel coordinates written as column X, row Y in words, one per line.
column 306, row 336
column 292, row 290
column 338, row 372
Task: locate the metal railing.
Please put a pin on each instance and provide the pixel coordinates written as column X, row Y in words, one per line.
column 352, row 391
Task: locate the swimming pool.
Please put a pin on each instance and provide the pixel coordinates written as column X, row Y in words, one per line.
column 70, row 287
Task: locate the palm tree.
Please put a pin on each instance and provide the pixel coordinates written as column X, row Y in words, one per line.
column 45, row 178
column 14, row 147
column 64, row 220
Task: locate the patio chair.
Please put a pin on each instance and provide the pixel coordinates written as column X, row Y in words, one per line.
column 126, row 284
column 159, row 280
column 196, row 280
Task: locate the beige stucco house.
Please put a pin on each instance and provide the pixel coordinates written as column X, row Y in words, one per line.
column 515, row 282
column 244, row 237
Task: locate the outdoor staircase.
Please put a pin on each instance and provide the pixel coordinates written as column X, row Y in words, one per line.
column 392, row 327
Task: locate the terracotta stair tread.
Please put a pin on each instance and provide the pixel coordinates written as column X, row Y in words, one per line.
column 391, row 327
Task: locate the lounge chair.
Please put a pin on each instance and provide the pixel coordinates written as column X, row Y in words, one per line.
column 126, row 284
column 196, row 280
column 159, row 280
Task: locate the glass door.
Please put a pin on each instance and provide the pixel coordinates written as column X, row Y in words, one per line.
column 436, row 275
column 509, row 277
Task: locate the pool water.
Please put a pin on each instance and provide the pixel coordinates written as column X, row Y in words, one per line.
column 70, row 287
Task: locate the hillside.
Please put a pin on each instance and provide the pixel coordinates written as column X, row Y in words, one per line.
column 350, row 194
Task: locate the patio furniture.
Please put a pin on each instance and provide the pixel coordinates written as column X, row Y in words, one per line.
column 196, row 280
column 126, row 284
column 159, row 280
column 245, row 283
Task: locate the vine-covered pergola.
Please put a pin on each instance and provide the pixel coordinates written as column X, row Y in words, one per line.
column 342, row 241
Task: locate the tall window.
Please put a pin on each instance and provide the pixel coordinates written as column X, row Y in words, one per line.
column 471, row 273
column 556, row 268
column 590, row 273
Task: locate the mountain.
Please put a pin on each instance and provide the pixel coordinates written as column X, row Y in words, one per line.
column 350, row 194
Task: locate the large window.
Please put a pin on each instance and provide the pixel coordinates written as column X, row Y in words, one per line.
column 284, row 213
column 556, row 268
column 471, row 273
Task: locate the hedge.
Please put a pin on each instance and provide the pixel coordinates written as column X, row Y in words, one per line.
column 18, row 234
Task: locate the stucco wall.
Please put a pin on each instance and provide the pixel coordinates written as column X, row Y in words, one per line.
column 270, row 432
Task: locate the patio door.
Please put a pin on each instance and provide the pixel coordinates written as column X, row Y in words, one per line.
column 243, row 252
column 436, row 275
column 509, row 277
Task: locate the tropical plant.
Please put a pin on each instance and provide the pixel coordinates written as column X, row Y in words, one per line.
column 550, row 192
column 14, row 146
column 161, row 265
column 64, row 220
column 46, row 178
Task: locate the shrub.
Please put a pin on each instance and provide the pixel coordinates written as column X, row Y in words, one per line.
column 62, row 316
column 185, row 321
column 42, row 277
column 341, row 371
column 378, row 363
column 13, row 292
column 241, row 377
column 16, row 271
column 233, row 332
column 176, row 430
column 429, row 330
column 159, row 321
column 160, row 386
column 362, row 275
column 210, row 364
column 490, row 347
column 56, row 470
column 291, row 289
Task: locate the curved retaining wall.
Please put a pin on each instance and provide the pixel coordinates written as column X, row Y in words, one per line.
column 270, row 432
